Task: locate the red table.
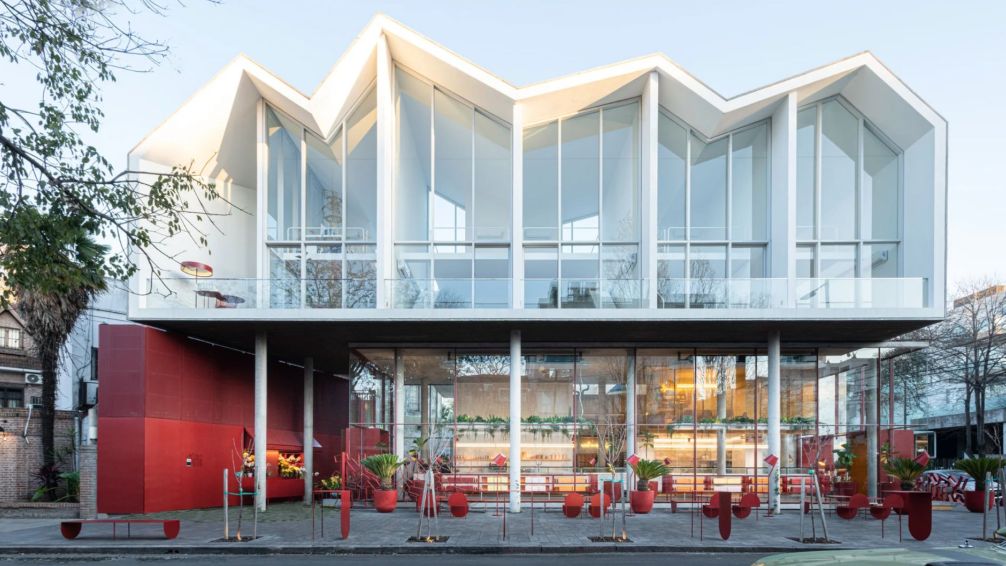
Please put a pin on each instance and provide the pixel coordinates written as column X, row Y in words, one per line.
column 919, row 508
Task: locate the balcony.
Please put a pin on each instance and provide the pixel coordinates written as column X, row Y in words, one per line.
column 475, row 293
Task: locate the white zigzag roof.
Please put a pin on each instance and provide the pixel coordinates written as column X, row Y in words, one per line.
column 217, row 124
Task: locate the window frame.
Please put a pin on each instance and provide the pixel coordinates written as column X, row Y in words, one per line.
column 863, row 124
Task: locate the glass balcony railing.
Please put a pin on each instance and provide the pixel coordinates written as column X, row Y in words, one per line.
column 801, row 293
column 584, row 293
column 476, row 293
column 286, row 293
column 450, row 293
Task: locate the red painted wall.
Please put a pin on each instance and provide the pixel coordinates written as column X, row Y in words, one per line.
column 166, row 400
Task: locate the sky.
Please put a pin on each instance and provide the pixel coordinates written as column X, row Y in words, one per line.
column 953, row 54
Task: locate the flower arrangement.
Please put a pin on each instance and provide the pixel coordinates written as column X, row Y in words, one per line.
column 290, row 465
column 248, row 462
column 332, row 482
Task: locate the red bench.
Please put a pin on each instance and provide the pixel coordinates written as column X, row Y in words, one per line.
column 70, row 529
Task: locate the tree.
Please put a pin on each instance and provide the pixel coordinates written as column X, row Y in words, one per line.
column 57, row 190
column 969, row 349
column 59, row 196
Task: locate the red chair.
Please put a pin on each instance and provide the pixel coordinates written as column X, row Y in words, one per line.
column 881, row 511
column 596, row 502
column 458, row 504
column 851, row 509
column 712, row 509
column 748, row 502
column 573, row 505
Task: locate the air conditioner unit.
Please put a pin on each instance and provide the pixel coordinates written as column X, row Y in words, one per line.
column 33, row 378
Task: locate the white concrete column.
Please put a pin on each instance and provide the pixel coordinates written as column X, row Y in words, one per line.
column 630, row 405
column 515, row 383
column 872, row 424
column 721, row 416
column 782, row 247
column 385, row 171
column 308, row 429
column 261, row 403
column 774, row 417
column 517, row 205
column 650, row 184
column 398, row 429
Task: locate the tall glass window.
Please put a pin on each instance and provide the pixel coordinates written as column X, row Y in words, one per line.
column 620, row 166
column 849, row 178
column 284, row 140
column 324, row 188
column 361, row 173
column 839, row 163
column 339, row 197
column 414, row 175
column 673, row 157
column 749, row 185
column 453, row 189
column 580, row 154
column 713, row 207
column 708, row 190
column 806, row 198
column 452, row 206
column 541, row 182
column 582, row 197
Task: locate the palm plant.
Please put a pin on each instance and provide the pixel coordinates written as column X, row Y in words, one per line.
column 50, row 316
column 647, row 470
column 905, row 470
column 978, row 466
column 383, row 466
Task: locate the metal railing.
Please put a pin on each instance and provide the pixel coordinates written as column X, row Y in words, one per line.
column 449, row 293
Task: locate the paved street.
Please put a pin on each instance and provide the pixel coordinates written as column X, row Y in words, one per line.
column 618, row 559
column 286, row 528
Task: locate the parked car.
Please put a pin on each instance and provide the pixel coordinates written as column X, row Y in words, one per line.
column 930, row 477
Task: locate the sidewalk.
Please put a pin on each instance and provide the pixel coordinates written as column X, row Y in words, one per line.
column 286, row 528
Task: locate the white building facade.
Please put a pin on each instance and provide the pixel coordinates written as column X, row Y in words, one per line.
column 623, row 245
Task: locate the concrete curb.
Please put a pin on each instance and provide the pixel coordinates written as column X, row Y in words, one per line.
column 238, row 549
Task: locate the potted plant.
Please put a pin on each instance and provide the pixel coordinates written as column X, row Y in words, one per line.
column 384, row 467
column 977, row 467
column 904, row 470
column 641, row 500
column 843, row 464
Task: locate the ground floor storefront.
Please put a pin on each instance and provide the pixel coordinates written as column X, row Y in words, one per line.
column 522, row 418
column 554, row 420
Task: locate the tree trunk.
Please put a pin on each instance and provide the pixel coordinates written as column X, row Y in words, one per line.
column 967, row 418
column 980, row 419
column 47, row 416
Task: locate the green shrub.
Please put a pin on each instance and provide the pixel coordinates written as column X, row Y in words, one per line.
column 978, row 466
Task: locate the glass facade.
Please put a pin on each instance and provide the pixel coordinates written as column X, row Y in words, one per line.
column 703, row 412
column 453, row 191
column 848, row 198
column 712, row 217
column 581, row 235
column 328, row 259
column 582, row 211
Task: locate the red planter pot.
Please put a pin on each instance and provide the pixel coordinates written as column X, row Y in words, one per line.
column 973, row 500
column 641, row 501
column 385, row 500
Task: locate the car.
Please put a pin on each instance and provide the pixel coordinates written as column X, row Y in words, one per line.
column 951, row 477
column 980, row 553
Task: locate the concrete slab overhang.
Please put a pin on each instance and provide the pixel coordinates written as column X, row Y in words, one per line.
column 329, row 342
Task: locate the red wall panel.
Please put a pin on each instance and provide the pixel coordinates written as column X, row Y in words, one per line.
column 190, row 401
column 120, row 474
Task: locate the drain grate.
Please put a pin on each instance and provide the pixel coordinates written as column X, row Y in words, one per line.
column 610, row 539
column 427, row 539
